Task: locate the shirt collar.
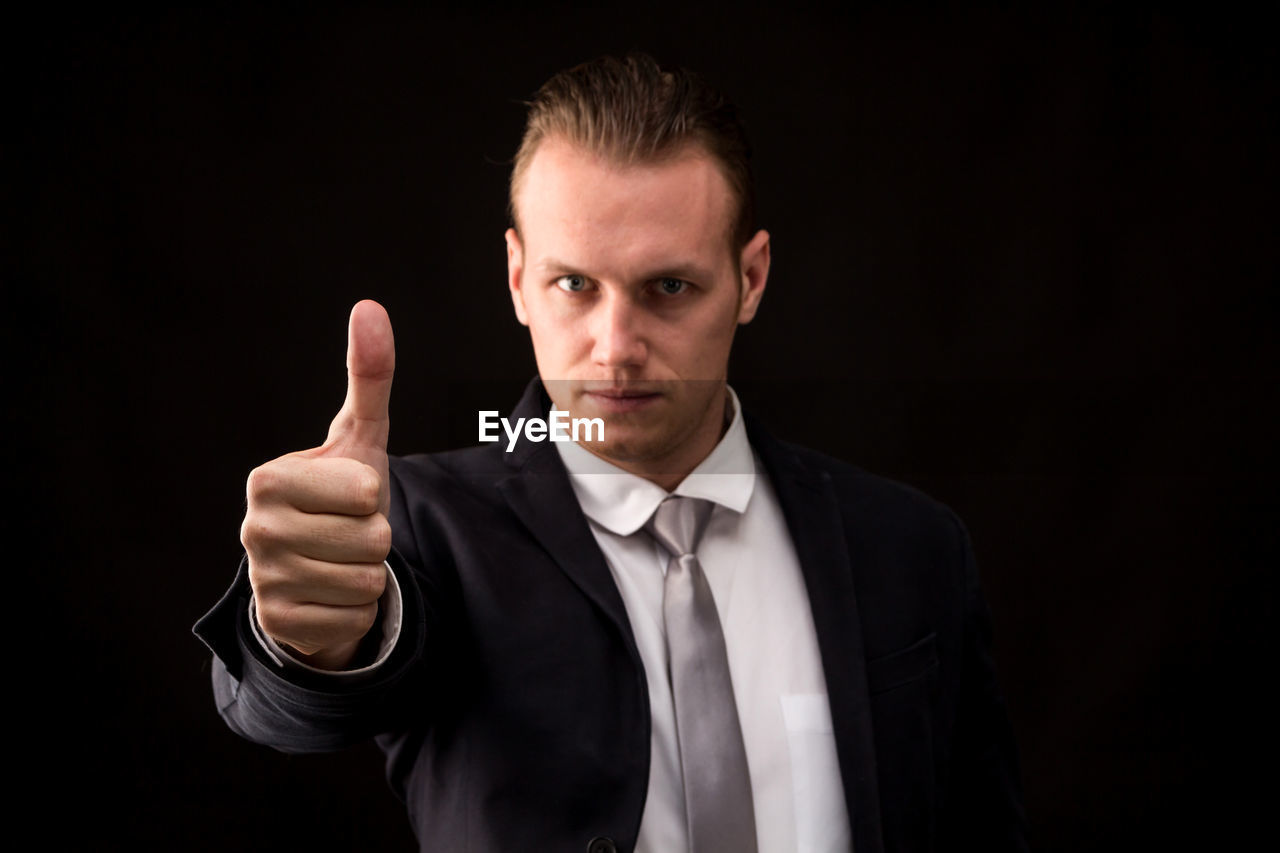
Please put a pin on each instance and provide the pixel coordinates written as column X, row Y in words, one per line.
column 622, row 502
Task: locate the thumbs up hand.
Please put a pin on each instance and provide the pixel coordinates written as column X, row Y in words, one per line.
column 316, row 528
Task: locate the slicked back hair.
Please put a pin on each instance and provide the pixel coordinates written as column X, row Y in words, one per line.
column 633, row 112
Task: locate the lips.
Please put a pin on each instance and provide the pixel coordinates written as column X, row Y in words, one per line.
column 621, row 393
column 614, row 398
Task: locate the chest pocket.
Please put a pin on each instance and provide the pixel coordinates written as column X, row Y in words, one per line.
column 902, row 667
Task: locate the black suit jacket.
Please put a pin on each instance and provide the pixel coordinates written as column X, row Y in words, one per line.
column 514, row 711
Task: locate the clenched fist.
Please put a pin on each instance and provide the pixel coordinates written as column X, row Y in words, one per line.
column 316, row 529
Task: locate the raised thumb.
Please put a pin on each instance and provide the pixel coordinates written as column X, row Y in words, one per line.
column 364, row 420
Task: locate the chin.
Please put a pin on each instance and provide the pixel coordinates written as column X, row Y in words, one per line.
column 630, row 442
column 637, row 457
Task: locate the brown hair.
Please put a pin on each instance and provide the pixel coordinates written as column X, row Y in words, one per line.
column 632, row 111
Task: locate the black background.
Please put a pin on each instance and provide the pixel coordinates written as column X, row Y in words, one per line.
column 1021, row 260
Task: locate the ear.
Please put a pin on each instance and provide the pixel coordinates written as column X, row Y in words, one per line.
column 515, row 270
column 754, row 265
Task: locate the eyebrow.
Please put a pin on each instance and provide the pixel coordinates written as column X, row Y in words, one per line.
column 684, row 271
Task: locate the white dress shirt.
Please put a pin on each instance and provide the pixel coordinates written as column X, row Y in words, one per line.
column 754, row 574
column 751, row 566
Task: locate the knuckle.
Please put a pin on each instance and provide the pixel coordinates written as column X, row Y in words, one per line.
column 367, row 490
column 366, row 615
column 268, row 582
column 380, row 536
column 262, row 481
column 258, row 578
column 257, row 533
column 372, row 581
column 249, row 532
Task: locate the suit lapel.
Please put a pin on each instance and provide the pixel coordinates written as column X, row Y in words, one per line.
column 541, row 496
column 813, row 517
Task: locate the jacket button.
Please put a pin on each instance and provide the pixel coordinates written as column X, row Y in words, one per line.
column 600, row 844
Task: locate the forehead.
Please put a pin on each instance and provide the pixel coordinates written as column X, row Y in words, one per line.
column 576, row 202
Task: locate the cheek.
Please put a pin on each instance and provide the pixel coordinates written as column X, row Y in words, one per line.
column 548, row 311
column 709, row 345
column 554, row 338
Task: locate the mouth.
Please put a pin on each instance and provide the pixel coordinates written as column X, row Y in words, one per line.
column 618, row 399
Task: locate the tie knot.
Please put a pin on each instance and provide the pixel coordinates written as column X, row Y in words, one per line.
column 678, row 523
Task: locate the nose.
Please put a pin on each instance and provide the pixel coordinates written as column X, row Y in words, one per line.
column 619, row 340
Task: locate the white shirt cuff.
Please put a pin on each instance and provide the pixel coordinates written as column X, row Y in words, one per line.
column 390, row 611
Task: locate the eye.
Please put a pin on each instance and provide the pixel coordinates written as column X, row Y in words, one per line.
column 572, row 283
column 672, row 286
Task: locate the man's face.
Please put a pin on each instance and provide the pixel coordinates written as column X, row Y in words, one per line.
column 631, row 293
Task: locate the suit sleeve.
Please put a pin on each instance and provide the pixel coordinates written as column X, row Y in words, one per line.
column 294, row 710
column 984, row 796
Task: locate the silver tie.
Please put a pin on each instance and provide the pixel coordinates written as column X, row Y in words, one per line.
column 713, row 760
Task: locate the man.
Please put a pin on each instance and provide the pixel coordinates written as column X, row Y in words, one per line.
column 679, row 635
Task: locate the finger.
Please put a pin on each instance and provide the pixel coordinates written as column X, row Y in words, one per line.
column 364, row 421
column 270, row 532
column 316, row 484
column 309, row 627
column 301, row 580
